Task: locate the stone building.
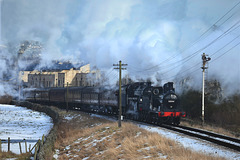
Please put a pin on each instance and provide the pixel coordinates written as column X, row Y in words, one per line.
column 60, row 78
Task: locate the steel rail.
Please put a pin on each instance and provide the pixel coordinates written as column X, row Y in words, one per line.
column 204, row 137
column 235, row 140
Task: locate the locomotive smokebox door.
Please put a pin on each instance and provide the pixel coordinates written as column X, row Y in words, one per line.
column 157, row 91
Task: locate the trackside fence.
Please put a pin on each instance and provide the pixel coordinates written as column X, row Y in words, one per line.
column 28, row 148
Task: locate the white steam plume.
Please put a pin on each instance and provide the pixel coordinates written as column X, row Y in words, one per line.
column 141, row 33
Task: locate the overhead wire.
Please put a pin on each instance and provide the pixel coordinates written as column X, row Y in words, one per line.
column 200, row 37
column 211, row 27
column 225, row 52
column 195, row 53
column 181, row 62
column 186, row 70
column 181, row 75
column 155, row 68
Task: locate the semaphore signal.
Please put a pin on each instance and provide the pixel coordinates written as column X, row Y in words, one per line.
column 205, row 59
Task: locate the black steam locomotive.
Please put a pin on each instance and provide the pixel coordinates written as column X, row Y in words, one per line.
column 143, row 102
column 140, row 101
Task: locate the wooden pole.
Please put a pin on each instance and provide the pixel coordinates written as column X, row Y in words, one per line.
column 36, row 149
column 20, row 147
column 35, row 153
column 67, row 97
column 33, row 146
column 8, row 144
column 26, row 146
column 42, row 139
column 120, row 96
column 0, row 145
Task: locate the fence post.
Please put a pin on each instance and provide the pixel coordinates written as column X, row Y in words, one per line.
column 36, row 149
column 30, row 148
column 35, row 153
column 26, row 146
column 8, row 144
column 0, row 145
column 42, row 139
column 20, row 147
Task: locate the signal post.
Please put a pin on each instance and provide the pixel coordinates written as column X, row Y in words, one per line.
column 120, row 88
column 205, row 59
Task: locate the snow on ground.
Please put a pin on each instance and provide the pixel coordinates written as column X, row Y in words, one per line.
column 22, row 123
column 189, row 142
column 194, row 144
column 104, row 117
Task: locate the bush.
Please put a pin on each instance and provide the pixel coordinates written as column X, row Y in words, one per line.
column 191, row 103
column 224, row 113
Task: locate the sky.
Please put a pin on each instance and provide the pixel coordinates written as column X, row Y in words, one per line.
column 161, row 40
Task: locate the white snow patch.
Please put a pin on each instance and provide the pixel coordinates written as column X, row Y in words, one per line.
column 147, row 157
column 118, row 146
column 138, row 134
column 70, row 117
column 67, row 147
column 57, row 151
column 162, row 156
column 104, row 117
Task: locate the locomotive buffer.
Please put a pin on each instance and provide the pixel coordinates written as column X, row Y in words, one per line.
column 120, row 87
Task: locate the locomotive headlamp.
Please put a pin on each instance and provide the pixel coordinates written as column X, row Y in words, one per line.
column 140, row 99
column 173, row 96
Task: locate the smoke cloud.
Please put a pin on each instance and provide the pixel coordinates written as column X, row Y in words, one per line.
column 152, row 37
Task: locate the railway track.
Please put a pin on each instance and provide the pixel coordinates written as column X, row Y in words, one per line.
column 222, row 140
column 229, row 142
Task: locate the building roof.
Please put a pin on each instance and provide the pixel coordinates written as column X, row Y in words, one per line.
column 56, row 66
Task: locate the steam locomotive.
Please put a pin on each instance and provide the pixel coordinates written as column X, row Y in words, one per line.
column 140, row 101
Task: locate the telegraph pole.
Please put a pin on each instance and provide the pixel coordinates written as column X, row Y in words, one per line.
column 120, row 88
column 67, row 98
column 205, row 59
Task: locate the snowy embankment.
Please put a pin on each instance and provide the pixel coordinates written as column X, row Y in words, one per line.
column 22, row 123
column 194, row 144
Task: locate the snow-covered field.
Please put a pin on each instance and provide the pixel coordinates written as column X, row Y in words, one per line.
column 22, row 123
